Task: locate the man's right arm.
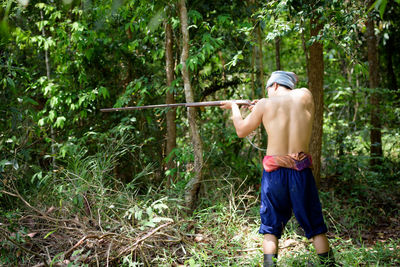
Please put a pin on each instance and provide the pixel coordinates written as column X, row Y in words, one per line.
column 245, row 126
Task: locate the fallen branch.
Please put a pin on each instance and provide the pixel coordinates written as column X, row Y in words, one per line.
column 248, row 249
column 134, row 246
column 23, row 248
column 80, row 242
column 44, row 215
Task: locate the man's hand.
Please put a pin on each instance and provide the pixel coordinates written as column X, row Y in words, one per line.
column 227, row 104
column 253, row 103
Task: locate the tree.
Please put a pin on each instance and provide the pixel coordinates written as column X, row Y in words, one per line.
column 47, row 62
column 257, row 54
column 193, row 186
column 315, row 68
column 170, row 99
column 315, row 72
column 373, row 63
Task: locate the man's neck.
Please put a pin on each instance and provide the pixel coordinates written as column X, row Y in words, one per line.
column 281, row 91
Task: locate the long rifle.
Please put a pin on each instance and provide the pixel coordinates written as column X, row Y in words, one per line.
column 193, row 104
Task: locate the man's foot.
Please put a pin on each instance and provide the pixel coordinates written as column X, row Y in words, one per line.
column 270, row 260
column 327, row 259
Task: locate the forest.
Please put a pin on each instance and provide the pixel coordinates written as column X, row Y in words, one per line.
column 177, row 186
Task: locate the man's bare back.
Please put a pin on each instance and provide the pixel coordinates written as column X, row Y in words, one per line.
column 287, row 116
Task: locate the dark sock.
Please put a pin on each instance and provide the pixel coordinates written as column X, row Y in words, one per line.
column 270, row 260
column 327, row 259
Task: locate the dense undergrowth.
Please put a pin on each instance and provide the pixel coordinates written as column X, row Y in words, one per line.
column 87, row 217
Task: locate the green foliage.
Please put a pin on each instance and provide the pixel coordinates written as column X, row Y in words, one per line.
column 57, row 148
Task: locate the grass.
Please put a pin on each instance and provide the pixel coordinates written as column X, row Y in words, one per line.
column 363, row 228
column 362, row 216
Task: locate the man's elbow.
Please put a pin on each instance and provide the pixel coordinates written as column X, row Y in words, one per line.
column 241, row 128
column 240, row 133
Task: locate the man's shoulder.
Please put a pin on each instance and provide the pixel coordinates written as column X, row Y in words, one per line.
column 267, row 102
column 302, row 91
column 264, row 104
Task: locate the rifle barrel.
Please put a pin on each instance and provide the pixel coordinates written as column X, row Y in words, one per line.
column 193, row 104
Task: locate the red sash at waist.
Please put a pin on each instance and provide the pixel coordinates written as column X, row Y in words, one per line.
column 296, row 161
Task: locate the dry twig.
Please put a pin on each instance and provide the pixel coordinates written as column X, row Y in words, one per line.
column 2, row 231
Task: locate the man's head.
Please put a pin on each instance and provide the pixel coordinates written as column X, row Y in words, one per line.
column 284, row 78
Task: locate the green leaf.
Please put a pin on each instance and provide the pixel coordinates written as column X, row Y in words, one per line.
column 42, row 24
column 41, row 5
column 41, row 122
column 160, row 207
column 382, row 8
column 30, row 101
column 52, row 115
column 11, row 82
column 15, row 165
column 104, row 92
column 82, row 99
column 149, row 211
column 380, row 5
column 60, row 122
column 5, row 163
column 48, row 43
column 138, row 214
column 49, row 233
column 76, row 26
column 49, row 89
column 53, row 101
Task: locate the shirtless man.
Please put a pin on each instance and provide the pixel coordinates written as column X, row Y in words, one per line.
column 287, row 183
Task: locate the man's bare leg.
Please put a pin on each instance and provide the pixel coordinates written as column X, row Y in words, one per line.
column 325, row 255
column 270, row 249
column 321, row 243
column 270, row 244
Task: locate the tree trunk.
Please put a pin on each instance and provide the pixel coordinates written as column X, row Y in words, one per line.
column 375, row 134
column 304, row 45
column 47, row 62
column 253, row 69
column 315, row 84
column 277, row 53
column 171, row 114
column 193, row 186
column 257, row 56
column 260, row 61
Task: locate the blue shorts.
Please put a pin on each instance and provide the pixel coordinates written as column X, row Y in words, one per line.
column 285, row 190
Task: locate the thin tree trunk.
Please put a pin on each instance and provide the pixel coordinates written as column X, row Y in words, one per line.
column 260, row 65
column 193, row 186
column 278, row 53
column 303, row 42
column 47, row 62
column 375, row 134
column 315, row 84
column 257, row 80
column 253, row 69
column 261, row 135
column 170, row 99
